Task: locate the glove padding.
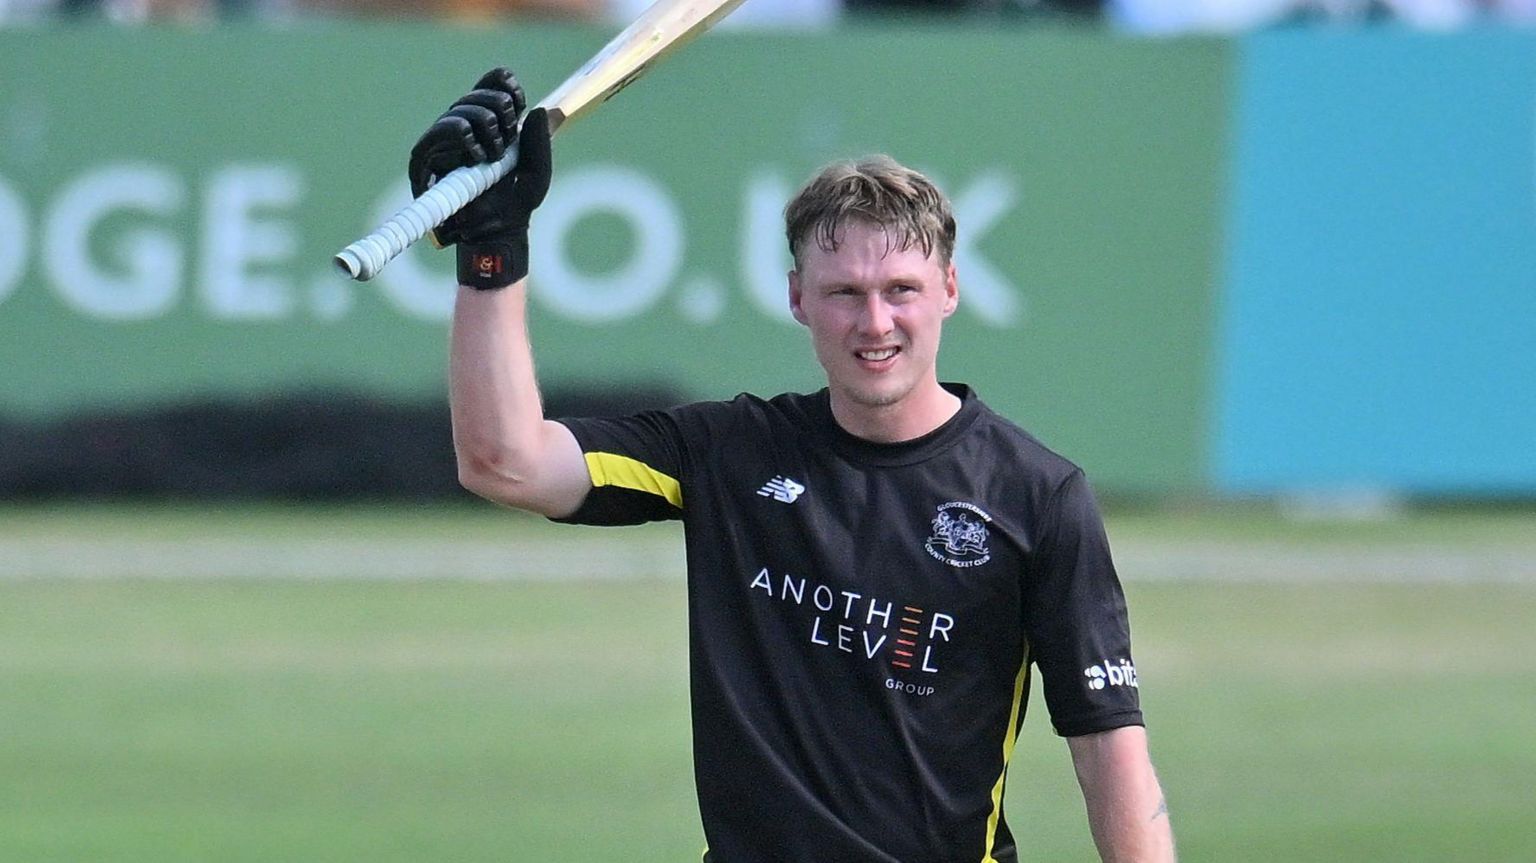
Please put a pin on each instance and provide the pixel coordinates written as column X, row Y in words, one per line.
column 479, row 128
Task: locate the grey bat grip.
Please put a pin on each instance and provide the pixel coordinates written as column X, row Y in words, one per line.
column 365, row 258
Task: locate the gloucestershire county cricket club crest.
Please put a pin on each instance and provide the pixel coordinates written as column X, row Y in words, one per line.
column 960, row 535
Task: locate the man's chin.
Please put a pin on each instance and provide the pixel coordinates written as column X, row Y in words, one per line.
column 877, row 397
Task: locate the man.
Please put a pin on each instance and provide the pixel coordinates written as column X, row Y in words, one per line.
column 872, row 569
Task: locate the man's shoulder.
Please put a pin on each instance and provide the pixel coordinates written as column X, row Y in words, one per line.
column 747, row 411
column 1021, row 450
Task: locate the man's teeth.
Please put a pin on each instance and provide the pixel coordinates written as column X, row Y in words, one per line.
column 876, row 356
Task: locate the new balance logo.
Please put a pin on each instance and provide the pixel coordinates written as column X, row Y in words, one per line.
column 782, row 489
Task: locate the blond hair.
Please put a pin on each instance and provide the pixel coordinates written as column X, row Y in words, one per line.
column 877, row 190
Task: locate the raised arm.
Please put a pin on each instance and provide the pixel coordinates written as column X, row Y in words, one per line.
column 1126, row 808
column 507, row 452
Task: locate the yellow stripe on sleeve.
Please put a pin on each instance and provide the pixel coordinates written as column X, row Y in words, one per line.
column 608, row 468
column 1010, row 737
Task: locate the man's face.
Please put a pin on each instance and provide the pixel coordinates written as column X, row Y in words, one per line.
column 874, row 314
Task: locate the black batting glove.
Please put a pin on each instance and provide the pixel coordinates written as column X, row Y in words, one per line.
column 491, row 232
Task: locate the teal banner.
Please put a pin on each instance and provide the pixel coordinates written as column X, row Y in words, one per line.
column 1380, row 328
column 167, row 219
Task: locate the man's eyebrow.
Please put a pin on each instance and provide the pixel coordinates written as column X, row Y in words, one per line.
column 894, row 279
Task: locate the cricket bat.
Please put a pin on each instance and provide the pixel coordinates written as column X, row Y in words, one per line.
column 664, row 27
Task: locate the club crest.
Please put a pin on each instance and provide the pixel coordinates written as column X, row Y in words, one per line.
column 960, row 535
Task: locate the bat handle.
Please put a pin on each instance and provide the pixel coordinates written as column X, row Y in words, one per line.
column 364, row 259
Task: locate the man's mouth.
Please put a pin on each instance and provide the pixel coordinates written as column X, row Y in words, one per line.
column 876, row 355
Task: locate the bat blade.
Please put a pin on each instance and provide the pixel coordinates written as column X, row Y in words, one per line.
column 660, row 29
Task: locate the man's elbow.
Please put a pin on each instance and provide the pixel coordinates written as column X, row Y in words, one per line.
column 494, row 477
column 546, row 474
column 499, row 482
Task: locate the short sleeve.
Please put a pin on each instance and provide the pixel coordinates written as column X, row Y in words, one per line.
column 636, row 465
column 1075, row 618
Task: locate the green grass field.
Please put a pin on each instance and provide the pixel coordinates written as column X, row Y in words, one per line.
column 191, row 718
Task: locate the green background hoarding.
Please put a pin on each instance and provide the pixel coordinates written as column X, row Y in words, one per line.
column 170, row 200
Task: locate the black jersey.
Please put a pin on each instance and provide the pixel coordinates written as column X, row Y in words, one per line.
column 863, row 619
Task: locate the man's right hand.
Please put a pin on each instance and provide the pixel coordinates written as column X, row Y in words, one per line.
column 491, row 232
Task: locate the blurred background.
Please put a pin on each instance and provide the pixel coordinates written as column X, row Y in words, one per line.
column 1265, row 268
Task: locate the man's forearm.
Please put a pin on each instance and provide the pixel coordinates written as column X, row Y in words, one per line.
column 1127, row 811
column 498, row 417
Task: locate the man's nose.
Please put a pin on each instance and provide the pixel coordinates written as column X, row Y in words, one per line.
column 876, row 320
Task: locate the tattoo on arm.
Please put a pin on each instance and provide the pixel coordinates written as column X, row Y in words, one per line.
column 1162, row 809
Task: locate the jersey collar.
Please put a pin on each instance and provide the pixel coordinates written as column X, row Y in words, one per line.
column 906, row 452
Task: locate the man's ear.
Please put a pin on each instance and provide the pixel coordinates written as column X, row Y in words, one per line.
column 951, row 290
column 795, row 296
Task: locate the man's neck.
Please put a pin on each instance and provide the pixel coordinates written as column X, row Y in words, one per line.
column 920, row 412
